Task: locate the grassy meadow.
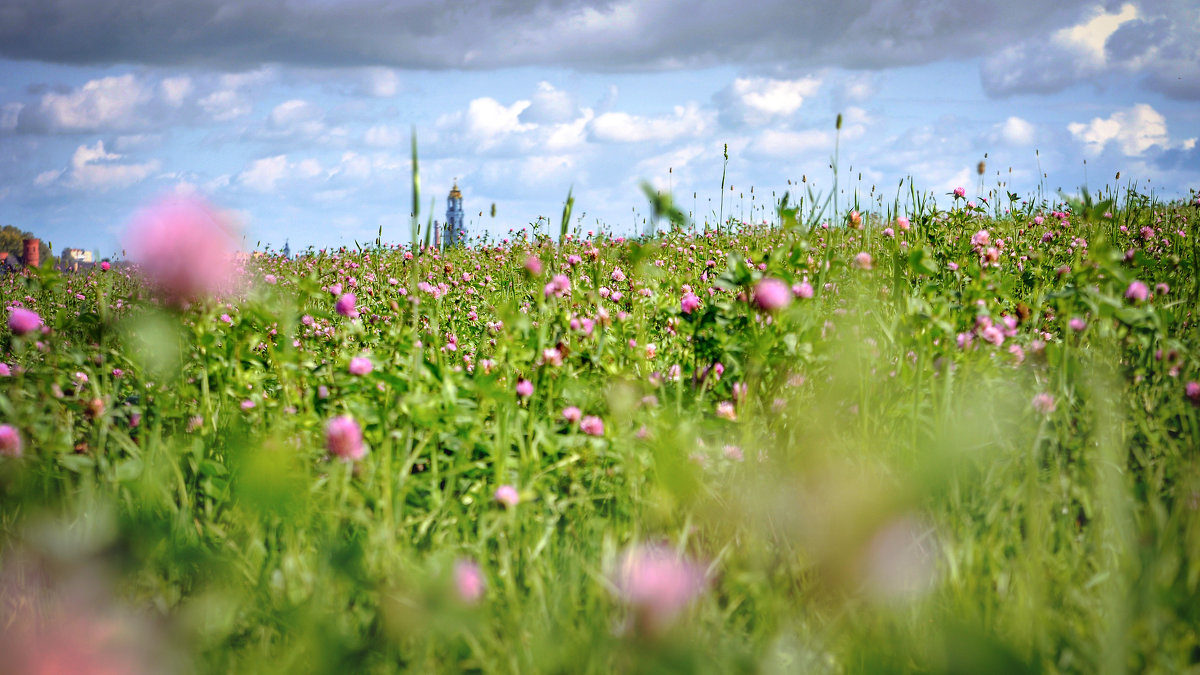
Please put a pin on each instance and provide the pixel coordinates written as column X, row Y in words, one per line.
column 959, row 436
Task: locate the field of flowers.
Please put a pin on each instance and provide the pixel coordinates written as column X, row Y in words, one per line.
column 961, row 440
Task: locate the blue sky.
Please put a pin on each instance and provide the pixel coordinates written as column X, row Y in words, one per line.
column 295, row 116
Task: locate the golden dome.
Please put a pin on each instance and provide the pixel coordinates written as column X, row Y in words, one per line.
column 454, row 193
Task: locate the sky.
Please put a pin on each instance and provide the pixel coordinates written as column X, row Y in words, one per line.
column 296, row 115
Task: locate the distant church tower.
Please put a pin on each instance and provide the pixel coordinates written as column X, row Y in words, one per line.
column 455, row 230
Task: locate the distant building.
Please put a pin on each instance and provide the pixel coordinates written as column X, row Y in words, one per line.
column 78, row 255
column 456, row 232
column 33, row 254
column 287, row 251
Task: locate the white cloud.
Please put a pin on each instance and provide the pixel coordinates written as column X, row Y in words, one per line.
column 47, row 177
column 488, row 120
column 225, row 104
column 1070, row 55
column 9, row 114
column 381, row 82
column 1015, row 131
column 549, row 105
column 783, row 143
column 570, row 135
column 175, row 90
column 354, row 166
column 105, row 103
column 759, row 100
column 293, row 112
column 383, row 136
column 264, row 173
column 1090, row 36
column 618, row 127
column 93, row 168
column 1135, row 130
column 308, row 168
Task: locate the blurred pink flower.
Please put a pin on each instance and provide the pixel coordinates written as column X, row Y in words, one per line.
column 657, row 584
column 572, row 414
column 863, row 261
column 1077, row 324
column 1137, row 291
column 345, row 306
column 22, row 321
column 802, row 290
column 185, row 247
column 343, row 438
column 559, row 285
column 771, row 295
column 1192, row 390
column 533, row 265
column 468, row 581
column 592, row 426
column 360, row 365
column 524, row 388
column 10, row 441
column 105, row 266
column 960, row 192
column 689, row 302
column 507, row 495
column 1044, row 403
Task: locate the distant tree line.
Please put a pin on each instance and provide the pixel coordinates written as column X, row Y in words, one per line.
column 12, row 240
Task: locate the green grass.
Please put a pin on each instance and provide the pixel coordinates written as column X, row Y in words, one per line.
column 901, row 505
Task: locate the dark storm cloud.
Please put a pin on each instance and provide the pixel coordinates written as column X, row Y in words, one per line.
column 585, row 34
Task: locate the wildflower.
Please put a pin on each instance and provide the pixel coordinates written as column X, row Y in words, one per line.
column 533, row 265
column 10, row 441
column 572, row 414
column 657, row 584
column 468, row 581
column 617, row 274
column 507, row 495
column 345, row 306
column 902, row 224
column 185, row 247
column 802, row 290
column 559, row 285
column 1044, row 403
column 5, row 371
column 1077, row 324
column 22, row 321
column 689, row 302
column 524, row 388
column 1137, row 291
column 1017, row 352
column 725, row 410
column 343, row 438
column 360, row 365
column 734, row 453
column 856, row 220
column 1192, row 389
column 863, row 261
column 1162, row 289
column 771, row 295
column 592, row 426
column 960, row 192
column 248, row 404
